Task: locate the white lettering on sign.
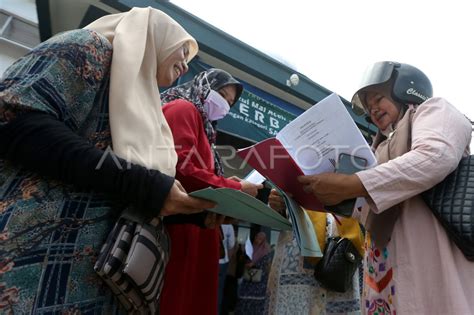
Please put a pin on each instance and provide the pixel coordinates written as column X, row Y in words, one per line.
column 259, row 116
column 274, row 123
column 244, row 100
column 244, row 109
column 259, row 107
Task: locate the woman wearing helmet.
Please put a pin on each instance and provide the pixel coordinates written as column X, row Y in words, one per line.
column 411, row 266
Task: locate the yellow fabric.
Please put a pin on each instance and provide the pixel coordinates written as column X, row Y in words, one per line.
column 319, row 223
column 142, row 39
column 349, row 228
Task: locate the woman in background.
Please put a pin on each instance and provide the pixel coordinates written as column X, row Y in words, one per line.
column 252, row 289
column 191, row 109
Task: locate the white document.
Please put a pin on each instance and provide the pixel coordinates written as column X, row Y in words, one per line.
column 316, row 138
column 255, row 177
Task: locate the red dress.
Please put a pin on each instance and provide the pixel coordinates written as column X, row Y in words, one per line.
column 190, row 285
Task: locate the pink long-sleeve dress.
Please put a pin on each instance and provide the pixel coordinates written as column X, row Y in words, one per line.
column 420, row 271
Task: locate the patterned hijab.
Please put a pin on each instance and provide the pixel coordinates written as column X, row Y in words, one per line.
column 196, row 91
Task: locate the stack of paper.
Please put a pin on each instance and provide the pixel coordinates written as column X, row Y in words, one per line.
column 236, row 204
column 310, row 144
column 303, row 228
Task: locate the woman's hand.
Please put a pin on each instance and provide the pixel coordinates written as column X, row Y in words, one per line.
column 276, row 202
column 178, row 201
column 248, row 187
column 333, row 188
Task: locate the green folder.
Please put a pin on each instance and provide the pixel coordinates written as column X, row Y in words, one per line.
column 236, row 204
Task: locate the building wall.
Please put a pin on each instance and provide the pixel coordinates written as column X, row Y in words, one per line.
column 18, row 30
column 8, row 54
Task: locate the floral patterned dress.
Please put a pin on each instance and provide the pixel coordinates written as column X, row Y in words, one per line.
column 292, row 288
column 50, row 232
column 378, row 277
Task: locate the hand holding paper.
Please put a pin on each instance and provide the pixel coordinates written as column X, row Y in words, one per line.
column 276, row 201
column 311, row 144
column 333, row 188
column 303, row 228
column 239, row 205
column 178, row 201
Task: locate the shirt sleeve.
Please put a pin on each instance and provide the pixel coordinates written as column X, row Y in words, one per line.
column 440, row 136
column 193, row 169
column 40, row 142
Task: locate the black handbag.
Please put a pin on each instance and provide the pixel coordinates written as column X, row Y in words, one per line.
column 452, row 202
column 336, row 268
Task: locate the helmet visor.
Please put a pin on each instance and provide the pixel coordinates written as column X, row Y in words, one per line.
column 375, row 76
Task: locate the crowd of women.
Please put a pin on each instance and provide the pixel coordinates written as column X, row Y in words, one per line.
column 86, row 136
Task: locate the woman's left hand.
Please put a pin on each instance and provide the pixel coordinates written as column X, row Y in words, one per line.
column 276, row 201
column 333, row 188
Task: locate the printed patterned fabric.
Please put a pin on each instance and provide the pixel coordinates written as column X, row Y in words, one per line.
column 51, row 233
column 292, row 288
column 379, row 288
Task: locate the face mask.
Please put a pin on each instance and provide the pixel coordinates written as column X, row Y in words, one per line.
column 215, row 106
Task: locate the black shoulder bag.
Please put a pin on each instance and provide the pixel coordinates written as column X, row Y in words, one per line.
column 452, row 202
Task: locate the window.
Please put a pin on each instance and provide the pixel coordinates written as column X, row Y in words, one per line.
column 18, row 31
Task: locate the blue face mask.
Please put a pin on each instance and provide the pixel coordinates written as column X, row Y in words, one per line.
column 215, row 105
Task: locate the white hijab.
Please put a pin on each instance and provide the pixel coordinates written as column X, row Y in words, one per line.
column 142, row 39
